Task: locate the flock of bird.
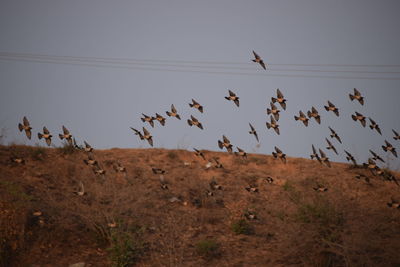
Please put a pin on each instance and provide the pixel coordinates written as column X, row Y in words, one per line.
column 273, row 112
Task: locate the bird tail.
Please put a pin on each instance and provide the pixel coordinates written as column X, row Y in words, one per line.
column 296, row 118
column 268, row 111
column 61, row 136
column 20, row 127
column 178, row 117
column 354, row 117
column 190, row 122
column 268, row 125
column 326, row 108
column 40, row 135
column 351, row 97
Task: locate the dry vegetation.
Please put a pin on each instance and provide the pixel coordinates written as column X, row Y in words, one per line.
column 127, row 219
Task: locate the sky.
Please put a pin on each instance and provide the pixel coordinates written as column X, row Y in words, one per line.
column 99, row 102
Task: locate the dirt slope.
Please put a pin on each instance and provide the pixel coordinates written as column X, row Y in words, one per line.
column 128, row 217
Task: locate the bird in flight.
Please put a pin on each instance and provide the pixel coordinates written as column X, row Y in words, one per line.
column 233, row 97
column 195, row 122
column 302, row 117
column 333, row 108
column 253, row 131
column 273, row 125
column 195, row 104
column 46, row 135
column 279, row 98
column 25, row 126
column 173, row 112
column 359, row 117
column 257, row 59
column 357, row 96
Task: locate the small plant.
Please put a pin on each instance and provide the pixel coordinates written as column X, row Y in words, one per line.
column 172, row 155
column 38, row 153
column 66, row 149
column 242, row 227
column 207, row 248
column 287, row 186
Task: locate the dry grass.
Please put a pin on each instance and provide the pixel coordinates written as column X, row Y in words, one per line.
column 128, row 218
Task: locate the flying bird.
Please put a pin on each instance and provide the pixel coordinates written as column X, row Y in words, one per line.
column 333, row 108
column 138, row 133
column 46, row 135
column 225, row 143
column 148, row 119
column 273, row 125
column 280, row 99
column 66, row 135
column 119, row 168
column 259, row 60
column 330, row 146
column 393, row 203
column 274, row 111
column 324, row 158
column 218, row 165
column 26, row 127
column 88, row 148
column 314, row 154
column 194, row 122
column 360, row 175
column 389, row 147
column 253, row 131
column 334, row 134
column 195, row 104
column 396, row 135
column 160, row 119
column 90, row 161
column 232, row 97
column 357, row 96
column 302, row 117
column 314, row 114
column 320, row 188
column 371, row 165
column 375, row 126
column 157, row 170
column 350, row 157
column 241, row 153
column 359, row 117
column 173, row 112
column 376, row 156
column 199, row 153
column 279, row 154
column 147, row 136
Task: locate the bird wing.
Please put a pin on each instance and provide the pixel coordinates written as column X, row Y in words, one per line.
column 173, row 109
column 279, row 93
column 356, row 92
column 26, row 122
column 145, row 131
column 251, row 127
column 231, row 93
column 65, row 130
column 45, row 131
column 255, row 55
column 226, row 140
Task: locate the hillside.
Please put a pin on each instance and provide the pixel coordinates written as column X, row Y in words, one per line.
column 127, row 217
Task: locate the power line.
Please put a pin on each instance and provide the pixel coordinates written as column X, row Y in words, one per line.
column 112, row 65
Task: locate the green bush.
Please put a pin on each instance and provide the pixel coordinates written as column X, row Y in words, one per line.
column 242, row 227
column 207, row 248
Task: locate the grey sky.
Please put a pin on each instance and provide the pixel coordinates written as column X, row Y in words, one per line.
column 100, row 104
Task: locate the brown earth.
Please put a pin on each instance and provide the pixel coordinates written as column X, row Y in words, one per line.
column 348, row 225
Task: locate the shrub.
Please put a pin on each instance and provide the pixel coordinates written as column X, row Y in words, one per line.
column 207, row 248
column 38, row 153
column 242, row 227
column 172, row 155
column 66, row 149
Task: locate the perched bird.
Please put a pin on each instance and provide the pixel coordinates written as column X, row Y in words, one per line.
column 330, row 146
column 218, row 165
column 194, row 122
column 324, row 158
column 138, row 133
column 258, row 60
column 390, row 148
column 87, row 148
column 241, row 153
column 147, row 136
column 357, row 96
column 90, row 161
column 225, row 143
column 195, row 104
column 314, row 154
column 75, row 144
column 360, row 175
column 274, row 111
column 249, row 215
column 199, row 153
column 359, row 117
column 252, row 188
column 269, row 180
column 119, row 168
column 371, row 165
column 314, row 114
column 232, row 97
column 396, row 135
column 214, row 185
column 334, row 135
column 253, row 131
column 148, row 119
column 25, row 126
column 320, row 188
column 302, row 117
column 157, row 170
column 350, row 157
column 376, row 156
column 46, row 135
column 280, row 99
column 160, row 119
column 99, row 171
column 17, row 160
column 333, row 108
column 375, row 126
column 81, row 190
column 393, row 203
column 273, row 125
column 279, row 154
column 173, row 112
column 66, row 135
